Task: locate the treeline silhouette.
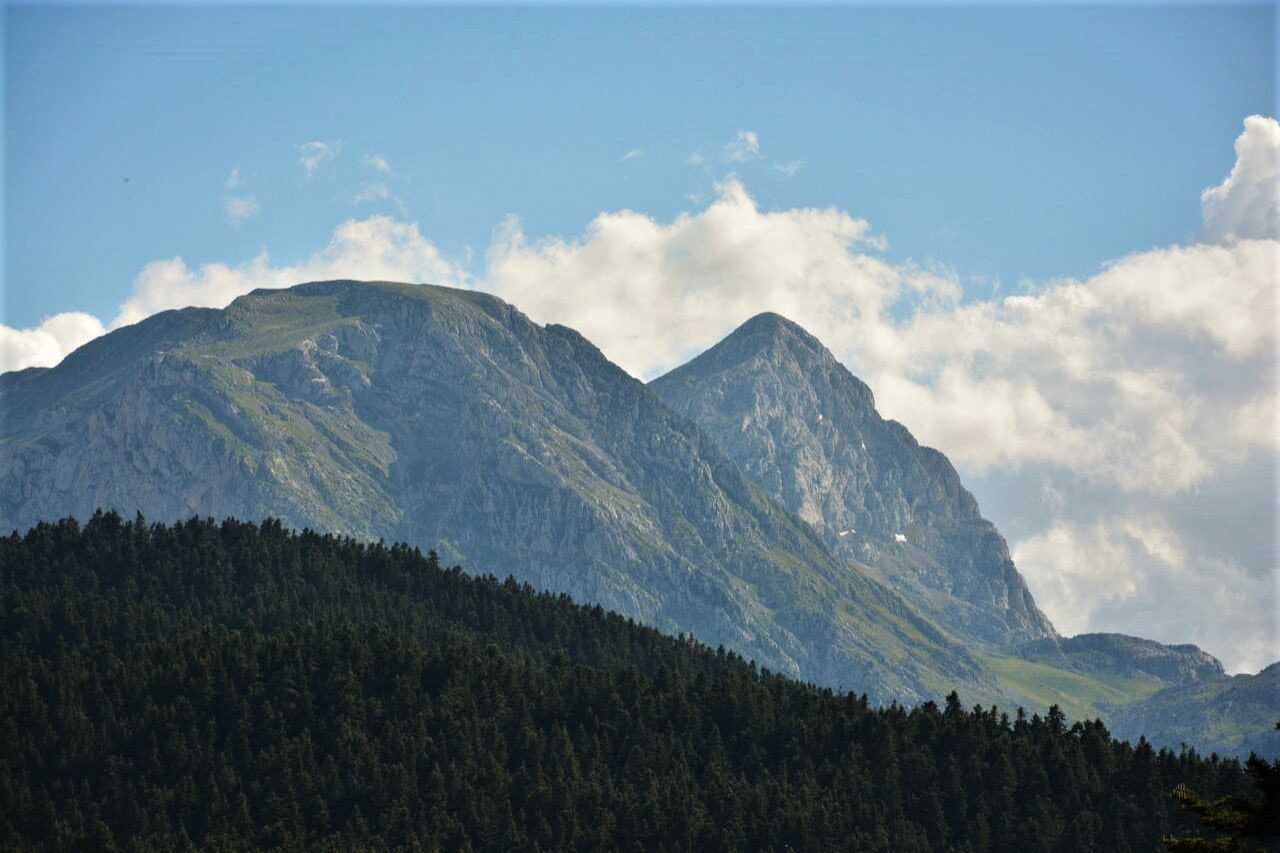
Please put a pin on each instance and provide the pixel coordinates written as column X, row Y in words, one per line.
column 232, row 686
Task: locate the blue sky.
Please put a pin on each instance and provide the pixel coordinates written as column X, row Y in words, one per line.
column 1006, row 143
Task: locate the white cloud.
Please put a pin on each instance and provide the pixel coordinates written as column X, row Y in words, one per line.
column 372, row 192
column 377, row 248
column 46, row 344
column 1247, row 204
column 313, row 155
column 240, row 208
column 1136, row 575
column 791, row 168
column 378, row 163
column 1124, row 377
column 744, row 146
column 633, row 154
column 652, row 294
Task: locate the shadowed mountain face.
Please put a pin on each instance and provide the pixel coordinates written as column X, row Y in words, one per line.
column 1230, row 716
column 449, row 420
column 806, row 430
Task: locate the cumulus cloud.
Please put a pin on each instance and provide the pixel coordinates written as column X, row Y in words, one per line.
column 233, row 180
column 377, row 248
column 1137, row 575
column 652, row 294
column 1246, row 206
column 46, row 344
column 313, row 155
column 378, row 163
column 1125, row 377
column 744, row 146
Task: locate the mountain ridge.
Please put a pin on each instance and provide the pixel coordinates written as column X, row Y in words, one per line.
column 1174, row 664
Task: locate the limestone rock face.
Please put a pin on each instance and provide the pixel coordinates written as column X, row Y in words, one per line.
column 1121, row 654
column 806, row 430
column 447, row 419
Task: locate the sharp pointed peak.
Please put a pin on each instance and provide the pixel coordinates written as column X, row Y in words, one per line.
column 767, row 332
column 770, row 322
column 770, row 330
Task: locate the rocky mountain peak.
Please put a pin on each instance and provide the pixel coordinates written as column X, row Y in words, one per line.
column 807, row 430
column 765, row 336
column 768, row 329
column 773, row 351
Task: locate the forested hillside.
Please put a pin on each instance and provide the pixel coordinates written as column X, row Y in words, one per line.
column 235, row 686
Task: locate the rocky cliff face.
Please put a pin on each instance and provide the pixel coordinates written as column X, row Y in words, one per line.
column 447, row 419
column 1120, row 654
column 807, row 431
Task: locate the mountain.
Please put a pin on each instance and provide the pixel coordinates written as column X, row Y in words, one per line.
column 445, row 418
column 230, row 686
column 807, row 431
column 1230, row 716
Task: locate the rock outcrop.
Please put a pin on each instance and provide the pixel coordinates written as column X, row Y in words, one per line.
column 1121, row 654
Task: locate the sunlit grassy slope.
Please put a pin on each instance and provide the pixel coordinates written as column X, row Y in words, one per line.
column 1081, row 696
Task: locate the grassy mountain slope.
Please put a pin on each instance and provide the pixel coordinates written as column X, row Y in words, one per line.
column 1081, row 695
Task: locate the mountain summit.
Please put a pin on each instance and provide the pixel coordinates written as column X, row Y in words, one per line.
column 807, row 431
